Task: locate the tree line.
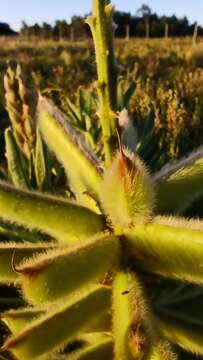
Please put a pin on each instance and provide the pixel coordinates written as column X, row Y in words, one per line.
column 145, row 23
column 6, row 30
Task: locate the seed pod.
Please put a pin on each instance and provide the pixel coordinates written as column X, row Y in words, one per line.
column 54, row 275
column 127, row 194
column 16, row 320
column 18, row 251
column 132, row 324
column 61, row 219
column 50, row 331
column 71, row 150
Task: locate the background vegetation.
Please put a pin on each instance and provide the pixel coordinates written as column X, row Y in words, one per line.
column 168, row 75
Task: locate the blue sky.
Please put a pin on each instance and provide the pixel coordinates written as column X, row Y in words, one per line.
column 14, row 11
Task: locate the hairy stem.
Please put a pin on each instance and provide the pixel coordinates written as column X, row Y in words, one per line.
column 102, row 30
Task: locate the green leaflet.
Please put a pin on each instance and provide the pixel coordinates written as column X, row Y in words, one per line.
column 17, row 252
column 14, row 160
column 16, row 320
column 189, row 338
column 61, row 219
column 73, row 112
column 63, row 322
column 124, row 95
column 97, row 346
column 128, row 94
column 42, row 171
column 70, row 149
column 50, row 276
column 127, row 193
column 179, row 185
column 174, row 251
column 131, row 322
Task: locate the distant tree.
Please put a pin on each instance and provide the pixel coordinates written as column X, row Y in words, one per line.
column 157, row 27
column 24, row 31
column 123, row 23
column 36, row 30
column 6, row 30
column 61, row 29
column 145, row 12
column 46, row 31
column 79, row 27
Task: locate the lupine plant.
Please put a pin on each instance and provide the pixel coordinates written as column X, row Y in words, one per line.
column 29, row 162
column 89, row 286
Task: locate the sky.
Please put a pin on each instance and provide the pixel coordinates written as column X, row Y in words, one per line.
column 15, row 11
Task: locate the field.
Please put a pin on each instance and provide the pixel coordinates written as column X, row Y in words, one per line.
column 168, row 76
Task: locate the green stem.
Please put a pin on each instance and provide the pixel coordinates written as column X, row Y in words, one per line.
column 102, row 30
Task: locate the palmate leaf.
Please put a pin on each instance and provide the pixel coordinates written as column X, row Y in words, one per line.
column 80, row 164
column 61, row 219
column 188, row 338
column 63, row 322
column 180, row 184
column 171, row 249
column 58, row 273
column 19, row 251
